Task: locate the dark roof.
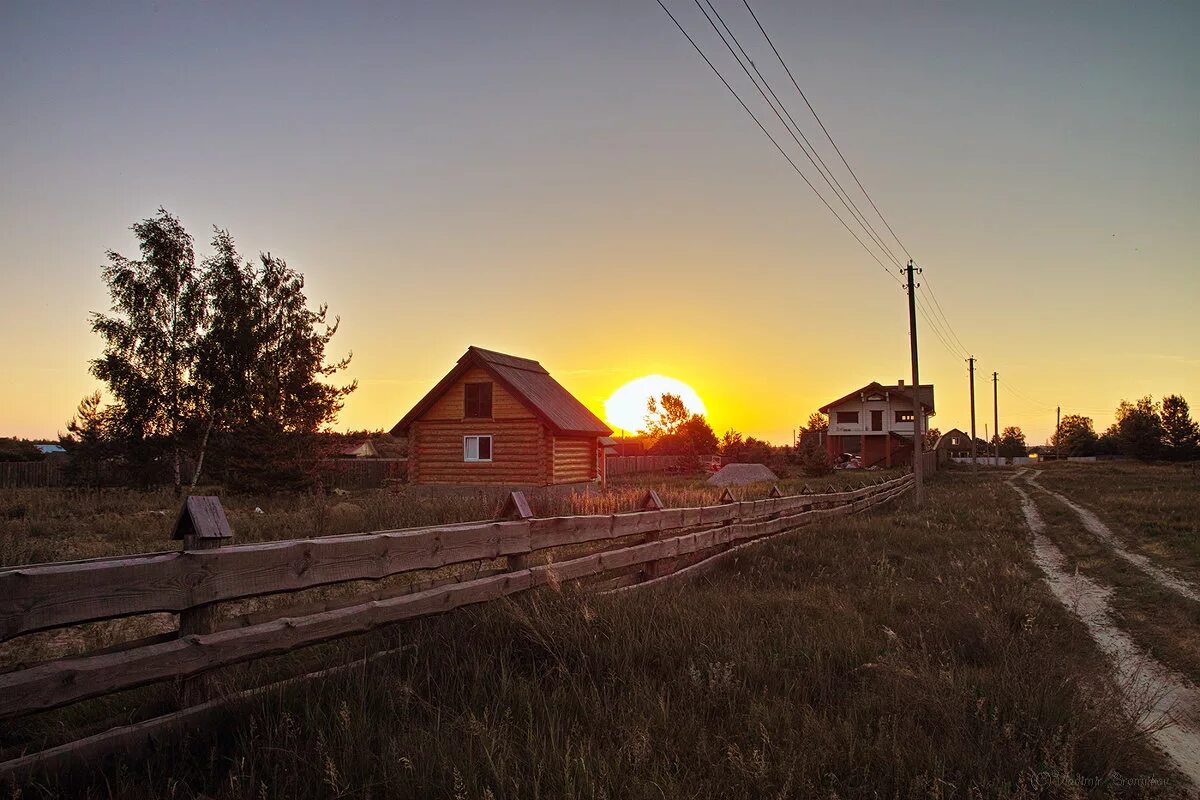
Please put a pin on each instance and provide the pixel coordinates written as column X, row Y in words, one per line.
column 945, row 438
column 904, row 392
column 528, row 381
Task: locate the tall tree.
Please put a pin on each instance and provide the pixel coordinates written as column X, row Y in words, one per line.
column 231, row 347
column 676, row 430
column 93, row 439
column 1138, row 430
column 1012, row 442
column 665, row 415
column 151, row 337
column 1075, row 436
column 1180, row 432
column 817, row 422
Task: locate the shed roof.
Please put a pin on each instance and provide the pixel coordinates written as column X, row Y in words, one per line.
column 904, row 392
column 528, row 381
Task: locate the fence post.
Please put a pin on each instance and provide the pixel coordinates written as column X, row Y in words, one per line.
column 516, row 507
column 201, row 525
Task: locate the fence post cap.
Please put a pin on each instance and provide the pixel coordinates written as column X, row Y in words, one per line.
column 202, row 517
column 775, row 492
column 651, row 501
column 727, row 496
column 515, row 507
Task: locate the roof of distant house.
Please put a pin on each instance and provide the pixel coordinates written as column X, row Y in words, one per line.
column 362, row 448
column 50, row 449
column 528, row 381
column 875, row 387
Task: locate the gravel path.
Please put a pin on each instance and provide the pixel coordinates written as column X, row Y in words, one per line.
column 1159, row 699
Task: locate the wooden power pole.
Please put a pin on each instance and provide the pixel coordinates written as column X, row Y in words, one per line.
column 971, row 362
column 1057, row 431
column 918, row 449
column 996, row 412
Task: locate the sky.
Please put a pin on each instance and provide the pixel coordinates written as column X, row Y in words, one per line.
column 569, row 182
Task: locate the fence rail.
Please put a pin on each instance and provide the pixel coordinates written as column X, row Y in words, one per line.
column 47, row 596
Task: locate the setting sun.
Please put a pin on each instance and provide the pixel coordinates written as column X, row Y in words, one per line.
column 626, row 408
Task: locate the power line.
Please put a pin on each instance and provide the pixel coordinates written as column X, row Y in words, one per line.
column 828, row 136
column 810, row 151
column 767, row 133
column 928, row 287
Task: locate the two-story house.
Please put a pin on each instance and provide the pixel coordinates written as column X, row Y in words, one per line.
column 876, row 423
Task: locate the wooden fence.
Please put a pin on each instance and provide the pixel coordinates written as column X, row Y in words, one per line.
column 362, row 473
column 31, row 474
column 512, row 554
column 625, row 465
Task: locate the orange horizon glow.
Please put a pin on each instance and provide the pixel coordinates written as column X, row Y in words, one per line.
column 566, row 182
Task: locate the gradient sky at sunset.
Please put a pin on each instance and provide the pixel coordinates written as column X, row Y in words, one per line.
column 567, row 181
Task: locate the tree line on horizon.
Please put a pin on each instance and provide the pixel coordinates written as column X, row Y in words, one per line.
column 215, row 368
column 1146, row 430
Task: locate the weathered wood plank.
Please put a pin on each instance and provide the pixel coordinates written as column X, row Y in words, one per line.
column 70, row 680
column 52, row 595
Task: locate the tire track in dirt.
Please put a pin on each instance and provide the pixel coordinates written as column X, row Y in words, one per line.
column 1158, row 699
column 1101, row 531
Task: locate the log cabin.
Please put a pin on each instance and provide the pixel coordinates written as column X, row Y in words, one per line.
column 497, row 419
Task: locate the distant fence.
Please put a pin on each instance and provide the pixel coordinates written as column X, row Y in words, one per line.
column 626, row 465
column 362, row 473
column 498, row 558
column 31, row 474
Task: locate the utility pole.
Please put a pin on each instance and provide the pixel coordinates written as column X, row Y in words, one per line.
column 971, row 362
column 996, row 411
column 918, row 450
column 1057, row 432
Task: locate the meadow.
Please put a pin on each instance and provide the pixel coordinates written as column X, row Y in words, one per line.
column 40, row 525
column 894, row 654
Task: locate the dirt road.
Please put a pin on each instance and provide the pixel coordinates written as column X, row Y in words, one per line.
column 1157, row 698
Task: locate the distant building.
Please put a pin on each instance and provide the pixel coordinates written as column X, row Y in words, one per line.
column 876, row 423
column 954, row 443
column 50, row 449
column 502, row 420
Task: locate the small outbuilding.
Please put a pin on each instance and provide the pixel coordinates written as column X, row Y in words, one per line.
column 954, row 443
column 498, row 419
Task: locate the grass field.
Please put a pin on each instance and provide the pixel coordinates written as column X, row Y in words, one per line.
column 1154, row 507
column 38, row 525
column 897, row 654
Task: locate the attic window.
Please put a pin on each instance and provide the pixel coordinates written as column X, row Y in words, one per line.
column 477, row 400
column 904, row 416
column 847, row 418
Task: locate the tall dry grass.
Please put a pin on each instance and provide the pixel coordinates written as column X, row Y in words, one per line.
column 897, row 655
column 39, row 525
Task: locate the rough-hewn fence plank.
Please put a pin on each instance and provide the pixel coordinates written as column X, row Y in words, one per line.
column 46, row 596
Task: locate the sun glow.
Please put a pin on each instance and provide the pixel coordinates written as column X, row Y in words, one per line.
column 625, row 410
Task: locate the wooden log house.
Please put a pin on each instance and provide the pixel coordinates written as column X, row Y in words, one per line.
column 497, row 419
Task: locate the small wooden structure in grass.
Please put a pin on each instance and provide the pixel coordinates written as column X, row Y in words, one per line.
column 502, row 420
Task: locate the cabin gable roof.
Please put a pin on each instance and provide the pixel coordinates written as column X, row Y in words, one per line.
column 528, row 381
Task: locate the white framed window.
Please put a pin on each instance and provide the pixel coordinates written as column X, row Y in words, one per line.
column 477, row 448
